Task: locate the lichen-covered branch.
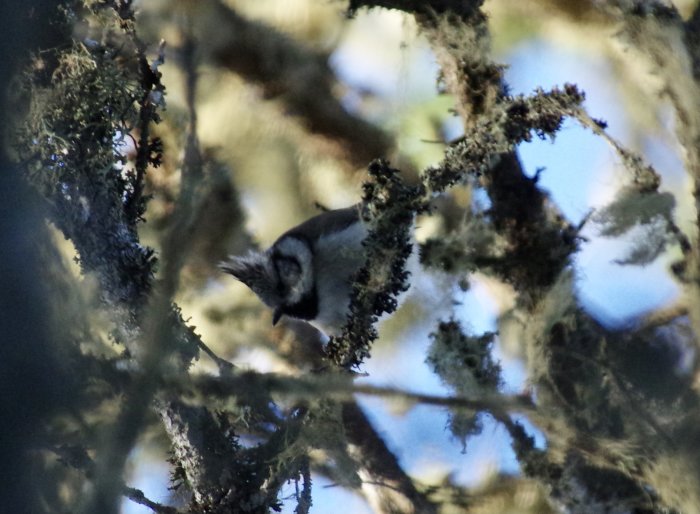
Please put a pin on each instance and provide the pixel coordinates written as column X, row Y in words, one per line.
column 81, row 119
column 222, row 474
column 584, row 406
column 464, row 364
column 655, row 32
column 618, row 390
column 389, row 207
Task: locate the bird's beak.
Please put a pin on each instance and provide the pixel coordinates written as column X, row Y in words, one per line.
column 276, row 315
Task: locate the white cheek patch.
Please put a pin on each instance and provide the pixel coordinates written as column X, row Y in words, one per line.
column 298, row 250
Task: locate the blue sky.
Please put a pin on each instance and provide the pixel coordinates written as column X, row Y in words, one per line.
column 582, row 172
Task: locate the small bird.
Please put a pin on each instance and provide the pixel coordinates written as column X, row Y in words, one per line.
column 307, row 273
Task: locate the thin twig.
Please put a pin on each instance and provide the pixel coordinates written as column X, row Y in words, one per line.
column 663, row 317
column 646, row 178
column 341, row 388
column 304, row 500
column 77, row 458
column 498, row 403
column 225, row 367
column 137, row 496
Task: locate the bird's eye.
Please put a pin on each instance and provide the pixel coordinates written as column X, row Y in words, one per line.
column 288, row 269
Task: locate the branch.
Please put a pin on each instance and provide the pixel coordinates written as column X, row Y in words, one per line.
column 93, row 213
column 304, row 499
column 156, row 333
column 137, row 496
column 670, row 49
column 574, row 484
column 77, row 457
column 539, row 242
column 394, row 493
column 646, row 182
column 338, row 387
column 388, row 488
column 663, row 317
column 287, row 71
column 225, row 367
column 388, row 208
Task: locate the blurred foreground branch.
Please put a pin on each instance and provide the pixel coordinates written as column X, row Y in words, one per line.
column 290, row 72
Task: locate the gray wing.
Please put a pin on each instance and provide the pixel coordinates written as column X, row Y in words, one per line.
column 325, row 223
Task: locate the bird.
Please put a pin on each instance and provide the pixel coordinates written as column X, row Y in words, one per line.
column 307, row 272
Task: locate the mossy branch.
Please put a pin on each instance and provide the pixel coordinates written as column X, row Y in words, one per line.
column 389, row 207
